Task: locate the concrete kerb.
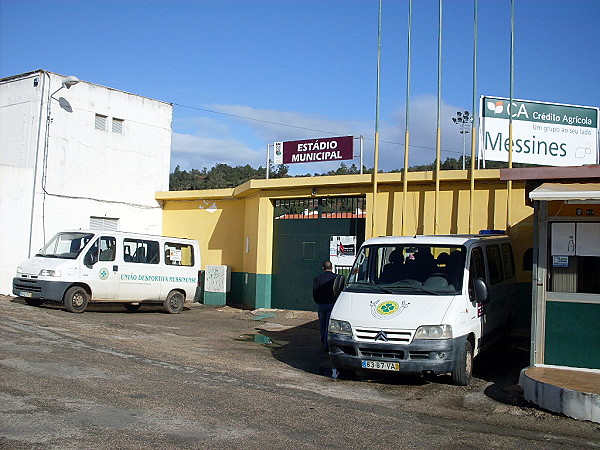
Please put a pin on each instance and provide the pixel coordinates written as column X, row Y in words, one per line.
column 573, row 403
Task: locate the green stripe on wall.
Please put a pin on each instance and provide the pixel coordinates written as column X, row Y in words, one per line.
column 573, row 334
column 250, row 290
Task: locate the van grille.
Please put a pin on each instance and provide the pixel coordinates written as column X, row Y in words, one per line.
column 374, row 335
column 23, row 284
column 377, row 353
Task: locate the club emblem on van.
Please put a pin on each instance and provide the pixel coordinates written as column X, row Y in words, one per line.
column 103, row 274
column 387, row 309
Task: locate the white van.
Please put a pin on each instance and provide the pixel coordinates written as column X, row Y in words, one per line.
column 424, row 304
column 77, row 267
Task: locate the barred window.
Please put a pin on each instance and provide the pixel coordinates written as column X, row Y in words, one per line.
column 100, row 123
column 117, row 126
column 321, row 208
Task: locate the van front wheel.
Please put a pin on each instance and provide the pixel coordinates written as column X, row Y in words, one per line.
column 463, row 371
column 174, row 302
column 76, row 299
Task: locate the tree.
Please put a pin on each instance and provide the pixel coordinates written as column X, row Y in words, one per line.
column 224, row 176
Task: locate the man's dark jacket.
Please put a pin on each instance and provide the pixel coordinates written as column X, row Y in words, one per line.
column 323, row 288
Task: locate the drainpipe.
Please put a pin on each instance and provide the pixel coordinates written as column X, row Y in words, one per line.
column 43, row 75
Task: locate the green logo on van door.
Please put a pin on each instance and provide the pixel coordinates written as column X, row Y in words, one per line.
column 103, row 274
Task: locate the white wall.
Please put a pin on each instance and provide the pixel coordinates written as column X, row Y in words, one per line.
column 82, row 171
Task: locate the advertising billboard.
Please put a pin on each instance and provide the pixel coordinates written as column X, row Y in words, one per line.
column 543, row 133
column 314, row 150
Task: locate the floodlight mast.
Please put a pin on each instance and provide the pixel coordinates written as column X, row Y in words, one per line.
column 463, row 119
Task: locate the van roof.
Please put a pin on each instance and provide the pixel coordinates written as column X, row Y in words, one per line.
column 123, row 233
column 451, row 239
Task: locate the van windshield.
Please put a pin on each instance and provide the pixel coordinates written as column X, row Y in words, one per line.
column 418, row 269
column 65, row 245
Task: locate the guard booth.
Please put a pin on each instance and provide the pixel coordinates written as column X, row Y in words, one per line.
column 306, row 232
column 566, row 264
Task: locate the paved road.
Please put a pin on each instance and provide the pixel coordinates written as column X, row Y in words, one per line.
column 223, row 378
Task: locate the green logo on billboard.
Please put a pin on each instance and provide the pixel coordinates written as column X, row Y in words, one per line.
column 103, row 273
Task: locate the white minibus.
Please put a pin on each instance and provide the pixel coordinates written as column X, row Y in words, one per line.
column 81, row 266
column 424, row 304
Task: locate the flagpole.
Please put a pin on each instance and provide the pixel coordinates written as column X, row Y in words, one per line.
column 407, row 126
column 510, row 121
column 475, row 118
column 376, row 162
column 438, row 137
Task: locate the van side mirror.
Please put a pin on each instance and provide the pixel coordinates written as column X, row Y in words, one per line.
column 480, row 290
column 338, row 285
column 88, row 259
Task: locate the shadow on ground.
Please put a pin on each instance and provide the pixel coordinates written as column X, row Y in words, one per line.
column 300, row 348
column 107, row 308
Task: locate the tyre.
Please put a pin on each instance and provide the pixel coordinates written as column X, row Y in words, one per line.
column 33, row 301
column 174, row 302
column 76, row 299
column 131, row 307
column 463, row 371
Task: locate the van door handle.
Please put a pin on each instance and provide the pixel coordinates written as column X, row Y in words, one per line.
column 115, row 268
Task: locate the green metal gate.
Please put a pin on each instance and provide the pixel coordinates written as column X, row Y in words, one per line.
column 302, row 231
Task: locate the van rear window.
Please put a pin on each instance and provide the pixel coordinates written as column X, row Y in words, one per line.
column 179, row 254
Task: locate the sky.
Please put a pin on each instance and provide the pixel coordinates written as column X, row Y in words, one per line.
column 242, row 74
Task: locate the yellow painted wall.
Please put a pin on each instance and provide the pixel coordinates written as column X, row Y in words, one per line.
column 223, row 221
column 218, row 226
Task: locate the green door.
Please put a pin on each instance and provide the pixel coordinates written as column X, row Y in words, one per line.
column 301, row 238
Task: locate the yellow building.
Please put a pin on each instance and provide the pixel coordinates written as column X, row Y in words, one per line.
column 274, row 234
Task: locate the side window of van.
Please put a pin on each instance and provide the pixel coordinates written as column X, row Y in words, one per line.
column 107, row 248
column 103, row 249
column 508, row 261
column 494, row 263
column 141, row 251
column 179, row 254
column 91, row 256
column 476, row 267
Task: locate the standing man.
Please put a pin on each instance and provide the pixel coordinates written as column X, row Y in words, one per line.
column 324, row 296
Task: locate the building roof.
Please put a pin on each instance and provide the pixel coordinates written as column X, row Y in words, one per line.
column 566, row 191
column 550, row 173
column 42, row 71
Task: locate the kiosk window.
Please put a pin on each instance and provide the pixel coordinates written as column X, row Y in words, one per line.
column 574, row 257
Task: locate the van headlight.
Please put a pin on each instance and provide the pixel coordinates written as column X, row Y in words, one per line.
column 50, row 273
column 434, row 332
column 340, row 327
column 19, row 270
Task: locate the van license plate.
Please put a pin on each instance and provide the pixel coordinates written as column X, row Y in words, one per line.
column 380, row 365
column 25, row 294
